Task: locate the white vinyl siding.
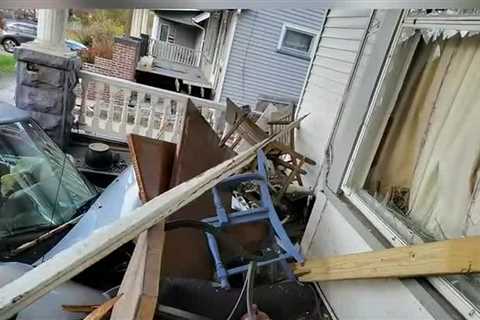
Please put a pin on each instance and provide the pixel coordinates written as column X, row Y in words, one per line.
column 329, row 77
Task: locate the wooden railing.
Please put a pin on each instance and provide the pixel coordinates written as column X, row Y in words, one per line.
column 174, row 53
column 111, row 108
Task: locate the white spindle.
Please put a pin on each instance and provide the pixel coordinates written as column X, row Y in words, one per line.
column 171, row 124
column 98, row 104
column 111, row 108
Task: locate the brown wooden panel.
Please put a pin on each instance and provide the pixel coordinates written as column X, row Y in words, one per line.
column 153, row 162
column 186, row 252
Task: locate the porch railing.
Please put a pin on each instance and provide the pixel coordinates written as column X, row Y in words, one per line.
column 111, row 108
column 174, row 53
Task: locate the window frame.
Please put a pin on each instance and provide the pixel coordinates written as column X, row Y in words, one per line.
column 160, row 32
column 293, row 52
column 366, row 146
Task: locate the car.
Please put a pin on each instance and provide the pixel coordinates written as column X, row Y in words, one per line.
column 17, row 32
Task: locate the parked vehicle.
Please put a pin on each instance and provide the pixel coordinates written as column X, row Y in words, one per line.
column 40, row 188
column 18, row 32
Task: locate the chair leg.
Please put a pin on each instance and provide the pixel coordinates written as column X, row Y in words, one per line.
column 286, row 268
column 222, row 274
column 284, row 239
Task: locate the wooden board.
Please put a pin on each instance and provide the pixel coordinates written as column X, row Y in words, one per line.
column 102, row 311
column 186, row 251
column 37, row 282
column 436, row 258
column 152, row 161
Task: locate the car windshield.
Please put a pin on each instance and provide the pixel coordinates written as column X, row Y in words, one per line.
column 39, row 186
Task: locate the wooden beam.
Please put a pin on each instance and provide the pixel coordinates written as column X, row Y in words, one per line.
column 102, row 311
column 132, row 282
column 32, row 285
column 436, row 258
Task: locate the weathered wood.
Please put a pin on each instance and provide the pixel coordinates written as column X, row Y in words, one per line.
column 152, row 161
column 80, row 308
column 435, row 258
column 186, row 253
column 102, row 311
column 132, row 282
column 23, row 291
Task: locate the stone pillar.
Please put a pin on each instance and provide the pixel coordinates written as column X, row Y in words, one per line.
column 47, row 72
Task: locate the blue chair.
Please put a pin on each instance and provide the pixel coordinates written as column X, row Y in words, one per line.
column 266, row 211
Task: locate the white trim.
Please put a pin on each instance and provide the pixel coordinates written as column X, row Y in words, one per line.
column 376, row 213
column 231, row 36
column 201, row 17
column 299, row 29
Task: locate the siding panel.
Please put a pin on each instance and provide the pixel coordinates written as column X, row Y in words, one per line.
column 255, row 67
column 326, row 84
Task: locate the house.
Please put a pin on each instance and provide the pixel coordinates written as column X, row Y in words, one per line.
column 243, row 55
column 393, row 113
column 393, row 101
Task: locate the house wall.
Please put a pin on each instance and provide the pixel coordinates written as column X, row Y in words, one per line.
column 255, row 67
column 336, row 227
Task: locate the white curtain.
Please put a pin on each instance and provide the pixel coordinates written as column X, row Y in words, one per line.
column 442, row 198
column 432, row 145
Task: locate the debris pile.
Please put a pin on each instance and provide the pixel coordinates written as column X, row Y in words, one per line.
column 211, row 221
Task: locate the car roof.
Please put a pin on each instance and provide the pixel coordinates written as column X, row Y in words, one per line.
column 9, row 114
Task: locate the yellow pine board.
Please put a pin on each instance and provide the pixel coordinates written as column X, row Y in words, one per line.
column 435, row 258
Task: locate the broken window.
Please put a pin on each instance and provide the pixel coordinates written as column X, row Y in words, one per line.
column 425, row 172
column 39, row 186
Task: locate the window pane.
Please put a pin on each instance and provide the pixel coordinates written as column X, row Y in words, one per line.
column 297, row 40
column 427, row 169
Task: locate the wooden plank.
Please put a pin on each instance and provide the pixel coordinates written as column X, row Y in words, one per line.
column 132, row 282
column 102, row 311
column 32, row 285
column 458, row 256
column 186, row 252
column 152, row 161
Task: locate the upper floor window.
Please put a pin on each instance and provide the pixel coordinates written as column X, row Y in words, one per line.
column 296, row 41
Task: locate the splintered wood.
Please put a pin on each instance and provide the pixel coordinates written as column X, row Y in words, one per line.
column 436, row 258
column 23, row 291
column 152, row 161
